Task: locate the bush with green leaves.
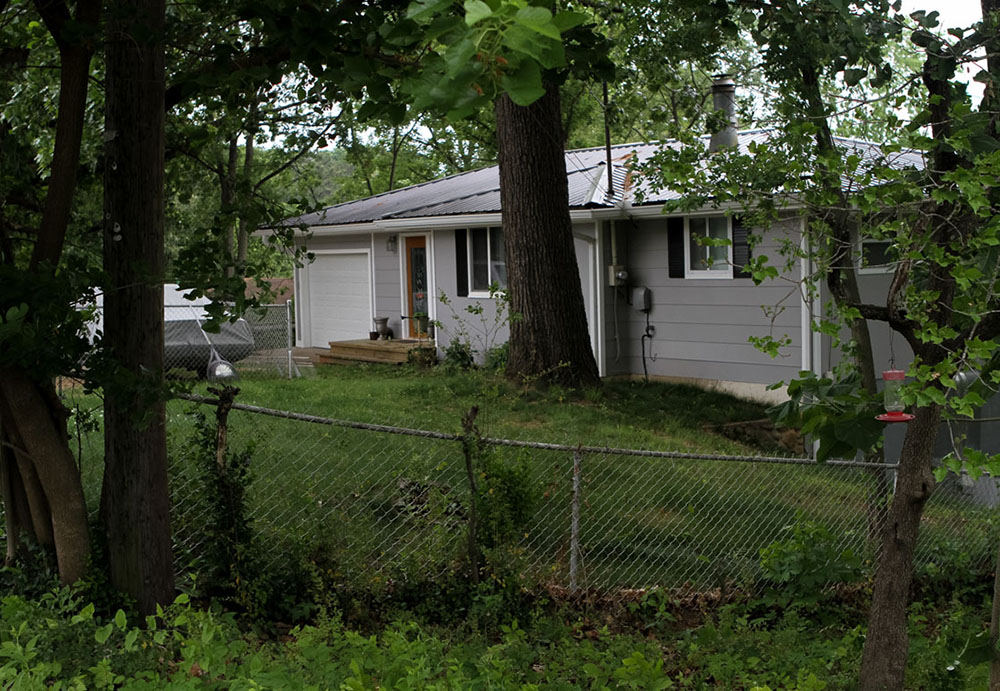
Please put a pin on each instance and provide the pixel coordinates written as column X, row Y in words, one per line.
column 497, row 356
column 807, row 561
column 229, row 548
column 59, row 641
column 506, row 497
column 474, row 334
column 459, row 355
column 229, row 565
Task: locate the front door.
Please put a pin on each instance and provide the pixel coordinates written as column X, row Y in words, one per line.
column 416, row 286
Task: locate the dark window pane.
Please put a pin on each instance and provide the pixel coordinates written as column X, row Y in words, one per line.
column 480, row 259
column 418, row 288
column 877, row 253
column 718, row 229
column 498, row 260
column 696, row 226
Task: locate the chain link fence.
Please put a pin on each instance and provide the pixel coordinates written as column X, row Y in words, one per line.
column 258, row 344
column 374, row 505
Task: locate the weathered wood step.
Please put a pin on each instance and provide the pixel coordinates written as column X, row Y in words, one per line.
column 371, row 351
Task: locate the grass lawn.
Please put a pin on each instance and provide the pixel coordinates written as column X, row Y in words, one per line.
column 375, row 508
column 620, row 413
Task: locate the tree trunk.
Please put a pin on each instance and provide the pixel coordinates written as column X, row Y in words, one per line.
column 883, row 662
column 548, row 337
column 135, row 503
column 228, row 204
column 243, row 228
column 42, row 488
column 74, row 79
column 991, row 97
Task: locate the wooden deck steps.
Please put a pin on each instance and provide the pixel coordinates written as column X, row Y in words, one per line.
column 395, row 351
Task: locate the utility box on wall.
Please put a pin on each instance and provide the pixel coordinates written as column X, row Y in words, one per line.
column 642, row 299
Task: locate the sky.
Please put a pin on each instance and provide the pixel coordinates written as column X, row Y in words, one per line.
column 953, row 12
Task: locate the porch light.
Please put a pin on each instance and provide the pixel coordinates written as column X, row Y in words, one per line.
column 891, row 391
column 391, row 242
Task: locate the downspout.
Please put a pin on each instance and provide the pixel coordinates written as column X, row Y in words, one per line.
column 806, row 303
column 607, row 146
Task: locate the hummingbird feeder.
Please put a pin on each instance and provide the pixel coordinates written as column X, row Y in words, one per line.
column 893, row 383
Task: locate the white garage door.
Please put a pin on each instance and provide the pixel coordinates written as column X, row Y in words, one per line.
column 339, row 300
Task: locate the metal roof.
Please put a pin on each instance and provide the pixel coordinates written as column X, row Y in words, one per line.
column 478, row 191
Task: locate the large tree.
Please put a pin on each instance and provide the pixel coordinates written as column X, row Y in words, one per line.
column 42, row 332
column 135, row 504
column 514, row 55
column 549, row 337
column 930, row 194
column 42, row 492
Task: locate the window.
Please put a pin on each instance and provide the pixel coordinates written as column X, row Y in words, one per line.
column 708, row 260
column 877, row 256
column 487, row 263
column 687, row 258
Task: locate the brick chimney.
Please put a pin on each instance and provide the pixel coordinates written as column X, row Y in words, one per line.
column 724, row 99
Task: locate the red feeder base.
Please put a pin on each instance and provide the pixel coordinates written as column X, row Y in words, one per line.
column 895, row 416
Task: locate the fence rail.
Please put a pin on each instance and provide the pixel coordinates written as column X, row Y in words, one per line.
column 517, row 444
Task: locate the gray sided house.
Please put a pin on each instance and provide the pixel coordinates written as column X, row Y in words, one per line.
column 393, row 255
column 658, row 303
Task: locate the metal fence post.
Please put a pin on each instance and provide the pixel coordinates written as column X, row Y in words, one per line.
column 574, row 523
column 288, row 329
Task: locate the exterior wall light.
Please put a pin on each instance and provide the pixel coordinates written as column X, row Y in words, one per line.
column 391, row 243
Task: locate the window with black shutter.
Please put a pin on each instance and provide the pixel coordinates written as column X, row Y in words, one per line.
column 675, row 247
column 741, row 249
column 480, row 261
column 462, row 262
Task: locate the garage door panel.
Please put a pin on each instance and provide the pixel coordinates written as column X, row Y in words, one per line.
column 339, row 299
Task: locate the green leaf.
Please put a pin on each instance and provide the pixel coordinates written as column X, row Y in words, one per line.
column 476, row 11
column 548, row 54
column 120, row 619
column 459, row 55
column 86, row 614
column 426, row 9
column 102, row 634
column 537, row 19
column 853, row 76
column 524, row 85
column 978, row 650
column 564, row 21
column 130, row 639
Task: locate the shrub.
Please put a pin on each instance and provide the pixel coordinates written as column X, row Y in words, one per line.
column 496, row 357
column 475, row 334
column 807, row 561
column 459, row 355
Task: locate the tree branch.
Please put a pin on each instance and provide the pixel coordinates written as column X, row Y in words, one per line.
column 55, row 15
column 294, row 159
column 268, row 56
column 73, row 82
